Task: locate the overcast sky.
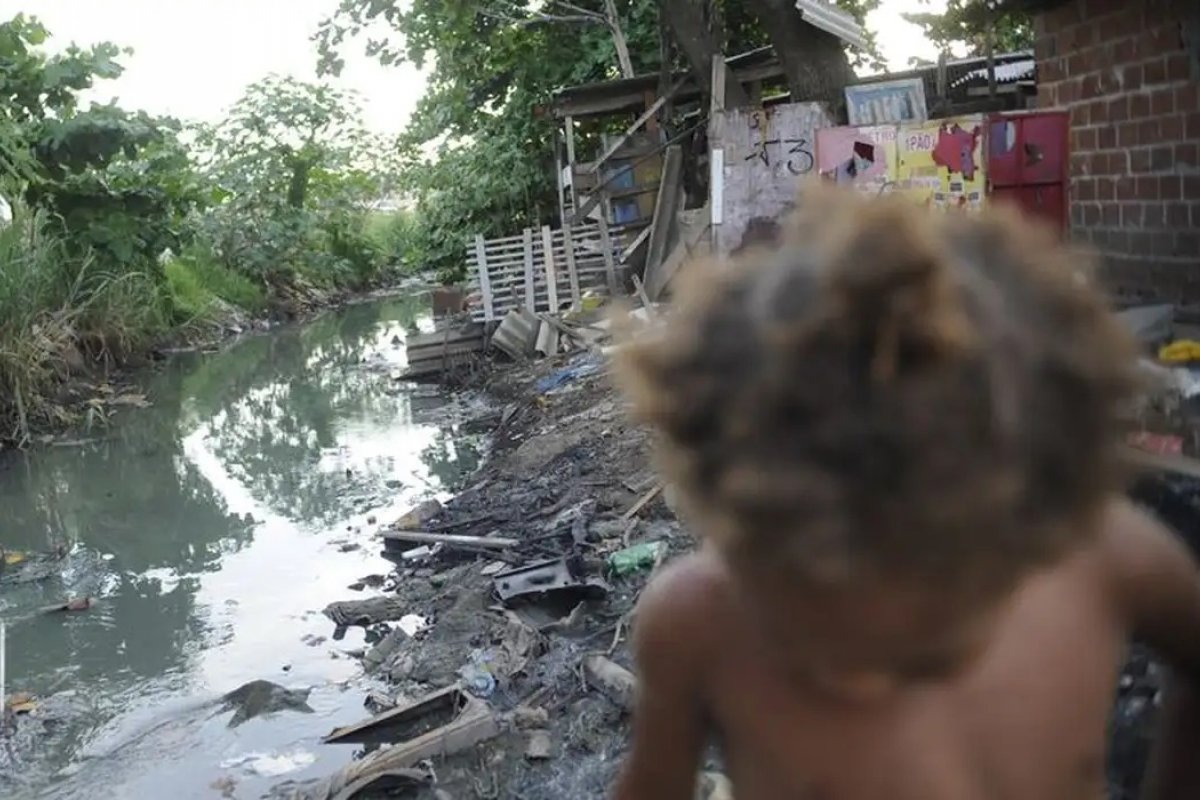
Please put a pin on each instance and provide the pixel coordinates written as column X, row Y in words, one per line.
column 193, row 58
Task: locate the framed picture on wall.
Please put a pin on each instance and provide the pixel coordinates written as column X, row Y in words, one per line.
column 901, row 100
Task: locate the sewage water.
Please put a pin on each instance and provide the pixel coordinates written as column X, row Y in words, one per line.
column 211, row 528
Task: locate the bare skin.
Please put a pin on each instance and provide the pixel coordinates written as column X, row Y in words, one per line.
column 901, row 693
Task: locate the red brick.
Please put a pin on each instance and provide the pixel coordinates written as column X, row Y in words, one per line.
column 1155, row 71
column 1148, row 131
column 1170, row 129
column 1127, row 135
column 1091, row 87
column 1196, row 215
column 1085, row 139
column 1106, row 189
column 1081, row 116
column 1131, row 215
column 1170, row 187
column 1068, row 92
column 1187, row 154
column 1131, row 76
column 1139, row 160
column 1106, row 138
column 1162, row 158
column 1118, row 109
column 1191, row 187
column 1178, row 68
column 1193, row 126
column 1162, row 101
column 1147, row 188
column 1077, row 215
column 1178, row 214
column 1126, row 188
column 1085, row 190
column 1081, row 164
column 1187, row 98
column 1154, row 215
column 1125, row 51
column 1045, row 47
column 1187, row 243
column 1047, row 95
column 1139, row 105
column 1110, row 214
column 1098, row 112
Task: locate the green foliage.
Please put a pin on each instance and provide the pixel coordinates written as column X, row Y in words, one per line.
column 478, row 155
column 962, row 29
column 197, row 285
column 296, row 171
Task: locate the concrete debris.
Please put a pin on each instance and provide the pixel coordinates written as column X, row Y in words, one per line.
column 525, row 718
column 539, row 746
column 367, row 612
column 558, row 576
column 616, row 682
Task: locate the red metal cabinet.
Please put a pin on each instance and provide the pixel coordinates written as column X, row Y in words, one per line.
column 1044, row 201
column 1028, row 160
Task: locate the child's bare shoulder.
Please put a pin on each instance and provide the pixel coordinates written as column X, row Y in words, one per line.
column 677, row 610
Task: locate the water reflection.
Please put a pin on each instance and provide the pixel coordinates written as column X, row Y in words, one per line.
column 209, row 524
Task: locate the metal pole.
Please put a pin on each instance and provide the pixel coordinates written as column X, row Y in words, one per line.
column 3, row 661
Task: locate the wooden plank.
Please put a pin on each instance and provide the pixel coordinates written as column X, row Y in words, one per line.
column 646, row 499
column 720, row 77
column 529, row 288
column 572, row 275
column 636, row 126
column 485, row 280
column 666, row 206
column 716, row 185
column 657, row 282
column 641, row 293
column 450, row 539
column 610, row 269
column 551, row 275
column 635, row 244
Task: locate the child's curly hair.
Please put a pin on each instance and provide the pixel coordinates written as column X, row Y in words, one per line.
column 890, row 391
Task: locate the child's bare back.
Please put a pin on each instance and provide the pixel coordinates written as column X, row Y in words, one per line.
column 934, row 626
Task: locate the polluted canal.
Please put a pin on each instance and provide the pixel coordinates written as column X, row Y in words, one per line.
column 210, row 529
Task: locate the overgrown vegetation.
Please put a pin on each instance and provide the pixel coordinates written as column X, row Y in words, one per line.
column 126, row 226
column 478, row 152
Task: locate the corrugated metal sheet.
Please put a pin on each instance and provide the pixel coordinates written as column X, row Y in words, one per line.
column 1005, row 73
column 517, row 333
column 832, row 20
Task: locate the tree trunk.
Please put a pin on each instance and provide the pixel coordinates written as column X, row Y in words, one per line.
column 814, row 61
column 688, row 22
column 298, row 185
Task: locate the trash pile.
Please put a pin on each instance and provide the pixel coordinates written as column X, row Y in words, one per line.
column 499, row 647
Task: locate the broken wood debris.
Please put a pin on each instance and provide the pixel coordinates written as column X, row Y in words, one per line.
column 451, row 539
column 645, row 500
column 367, row 612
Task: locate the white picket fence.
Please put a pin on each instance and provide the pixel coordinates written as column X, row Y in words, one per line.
column 547, row 269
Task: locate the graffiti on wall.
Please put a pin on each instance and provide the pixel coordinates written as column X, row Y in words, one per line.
column 766, row 154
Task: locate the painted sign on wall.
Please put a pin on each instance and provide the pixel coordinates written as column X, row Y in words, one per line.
column 764, row 154
column 862, row 157
column 940, row 163
column 901, row 100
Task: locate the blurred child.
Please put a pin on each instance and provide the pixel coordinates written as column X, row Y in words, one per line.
column 899, row 436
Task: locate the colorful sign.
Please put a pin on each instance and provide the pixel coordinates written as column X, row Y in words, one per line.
column 862, row 157
column 901, row 100
column 940, row 163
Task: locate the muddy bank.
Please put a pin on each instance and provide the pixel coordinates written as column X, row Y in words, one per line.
column 95, row 386
column 570, row 478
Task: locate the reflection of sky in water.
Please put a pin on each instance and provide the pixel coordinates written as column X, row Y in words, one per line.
column 213, row 528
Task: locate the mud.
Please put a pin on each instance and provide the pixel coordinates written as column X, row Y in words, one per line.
column 559, row 457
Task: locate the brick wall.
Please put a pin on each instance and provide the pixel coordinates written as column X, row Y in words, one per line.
column 1129, row 73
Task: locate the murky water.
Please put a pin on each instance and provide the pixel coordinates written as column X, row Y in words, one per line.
column 211, row 529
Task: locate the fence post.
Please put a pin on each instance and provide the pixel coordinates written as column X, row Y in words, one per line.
column 551, row 274
column 610, row 267
column 572, row 273
column 530, row 295
column 485, row 280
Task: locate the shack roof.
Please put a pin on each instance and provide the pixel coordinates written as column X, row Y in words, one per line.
column 629, row 94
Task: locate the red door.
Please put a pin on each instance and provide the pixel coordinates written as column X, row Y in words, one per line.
column 1028, row 156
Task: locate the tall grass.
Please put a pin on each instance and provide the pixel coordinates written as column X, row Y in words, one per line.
column 57, row 313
